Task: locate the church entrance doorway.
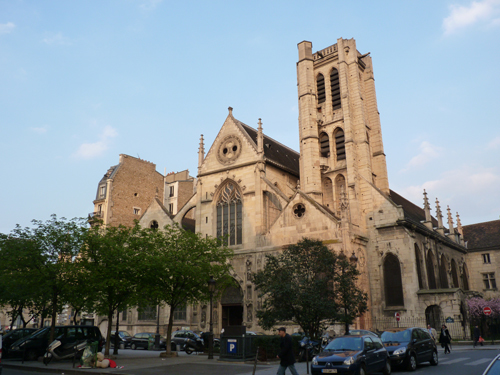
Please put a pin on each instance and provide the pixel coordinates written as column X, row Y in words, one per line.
column 232, row 307
column 433, row 316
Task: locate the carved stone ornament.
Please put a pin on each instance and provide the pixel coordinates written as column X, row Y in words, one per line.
column 229, row 150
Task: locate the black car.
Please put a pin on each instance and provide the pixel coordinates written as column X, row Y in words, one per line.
column 12, row 336
column 142, row 340
column 124, row 339
column 34, row 345
column 183, row 337
column 352, row 354
column 410, row 346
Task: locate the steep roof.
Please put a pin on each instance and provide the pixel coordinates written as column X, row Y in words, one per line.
column 411, row 210
column 482, row 236
column 275, row 152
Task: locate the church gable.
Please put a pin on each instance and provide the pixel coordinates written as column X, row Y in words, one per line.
column 232, row 147
column 304, row 217
column 155, row 216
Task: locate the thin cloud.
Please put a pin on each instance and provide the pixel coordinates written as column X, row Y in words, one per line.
column 93, row 150
column 40, row 130
column 463, row 16
column 428, row 152
column 494, row 144
column 149, row 4
column 6, row 28
column 57, row 39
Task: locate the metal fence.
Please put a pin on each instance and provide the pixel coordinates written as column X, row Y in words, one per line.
column 459, row 330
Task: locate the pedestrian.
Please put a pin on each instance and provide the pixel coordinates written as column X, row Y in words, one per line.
column 286, row 353
column 432, row 332
column 477, row 336
column 445, row 339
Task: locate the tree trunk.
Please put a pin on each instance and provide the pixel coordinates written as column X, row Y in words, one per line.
column 169, row 330
column 108, row 333
column 117, row 336
column 54, row 316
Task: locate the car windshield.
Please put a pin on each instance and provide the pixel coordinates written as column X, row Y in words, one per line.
column 495, row 368
column 398, row 336
column 40, row 332
column 124, row 334
column 345, row 344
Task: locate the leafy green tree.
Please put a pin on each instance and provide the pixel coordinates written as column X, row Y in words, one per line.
column 309, row 285
column 110, row 267
column 179, row 266
column 37, row 263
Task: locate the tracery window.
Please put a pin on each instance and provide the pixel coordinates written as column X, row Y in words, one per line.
column 454, row 274
column 419, row 267
column 465, row 277
column 335, row 84
column 320, row 84
column 431, row 277
column 443, row 273
column 393, row 285
column 229, row 215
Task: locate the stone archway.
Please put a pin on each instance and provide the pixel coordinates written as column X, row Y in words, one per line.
column 232, row 306
column 433, row 316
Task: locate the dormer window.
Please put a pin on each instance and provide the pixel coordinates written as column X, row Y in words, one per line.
column 102, row 191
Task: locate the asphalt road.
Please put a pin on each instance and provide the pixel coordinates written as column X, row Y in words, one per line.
column 459, row 362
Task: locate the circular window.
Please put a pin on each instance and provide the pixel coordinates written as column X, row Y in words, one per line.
column 299, row 210
column 229, row 149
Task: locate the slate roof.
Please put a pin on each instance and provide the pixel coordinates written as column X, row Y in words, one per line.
column 275, row 152
column 482, row 236
column 411, row 210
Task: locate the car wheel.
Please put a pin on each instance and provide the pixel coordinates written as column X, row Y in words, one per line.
column 412, row 363
column 434, row 359
column 31, row 355
column 387, row 368
column 362, row 370
column 188, row 350
column 133, row 346
column 47, row 358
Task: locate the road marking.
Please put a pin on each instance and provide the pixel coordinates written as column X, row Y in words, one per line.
column 454, row 361
column 479, row 361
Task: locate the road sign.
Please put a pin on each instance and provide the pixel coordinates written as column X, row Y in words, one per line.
column 487, row 310
column 397, row 316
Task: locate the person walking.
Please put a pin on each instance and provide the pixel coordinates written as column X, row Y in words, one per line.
column 445, row 339
column 477, row 336
column 286, row 353
column 432, row 332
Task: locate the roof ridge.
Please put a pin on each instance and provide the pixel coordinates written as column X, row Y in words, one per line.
column 266, row 136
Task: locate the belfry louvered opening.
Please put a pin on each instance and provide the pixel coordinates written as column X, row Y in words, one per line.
column 320, row 84
column 324, row 143
column 340, row 144
column 335, row 84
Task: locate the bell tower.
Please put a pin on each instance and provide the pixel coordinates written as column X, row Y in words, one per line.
column 339, row 126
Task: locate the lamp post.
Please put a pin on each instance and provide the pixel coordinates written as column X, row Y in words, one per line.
column 211, row 290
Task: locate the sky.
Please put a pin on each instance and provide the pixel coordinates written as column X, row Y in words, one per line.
column 82, row 82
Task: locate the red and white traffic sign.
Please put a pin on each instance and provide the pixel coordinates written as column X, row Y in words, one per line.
column 487, row 310
column 397, row 316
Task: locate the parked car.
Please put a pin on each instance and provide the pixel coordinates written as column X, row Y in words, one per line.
column 352, row 354
column 252, row 333
column 12, row 336
column 141, row 340
column 124, row 339
column 362, row 332
column 409, row 347
column 494, row 366
column 34, row 345
column 183, row 337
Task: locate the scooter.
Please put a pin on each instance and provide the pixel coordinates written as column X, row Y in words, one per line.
column 191, row 345
column 57, row 350
column 308, row 348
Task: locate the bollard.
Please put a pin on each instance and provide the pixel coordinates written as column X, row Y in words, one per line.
column 255, row 362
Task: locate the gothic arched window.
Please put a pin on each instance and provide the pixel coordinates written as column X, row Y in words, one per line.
column 334, row 82
column 229, row 215
column 339, row 144
column 454, row 274
column 443, row 273
column 418, row 259
column 324, row 143
column 465, row 277
column 320, row 84
column 393, row 286
column 431, row 277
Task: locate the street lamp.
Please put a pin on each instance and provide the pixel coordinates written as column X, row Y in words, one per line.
column 211, row 290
